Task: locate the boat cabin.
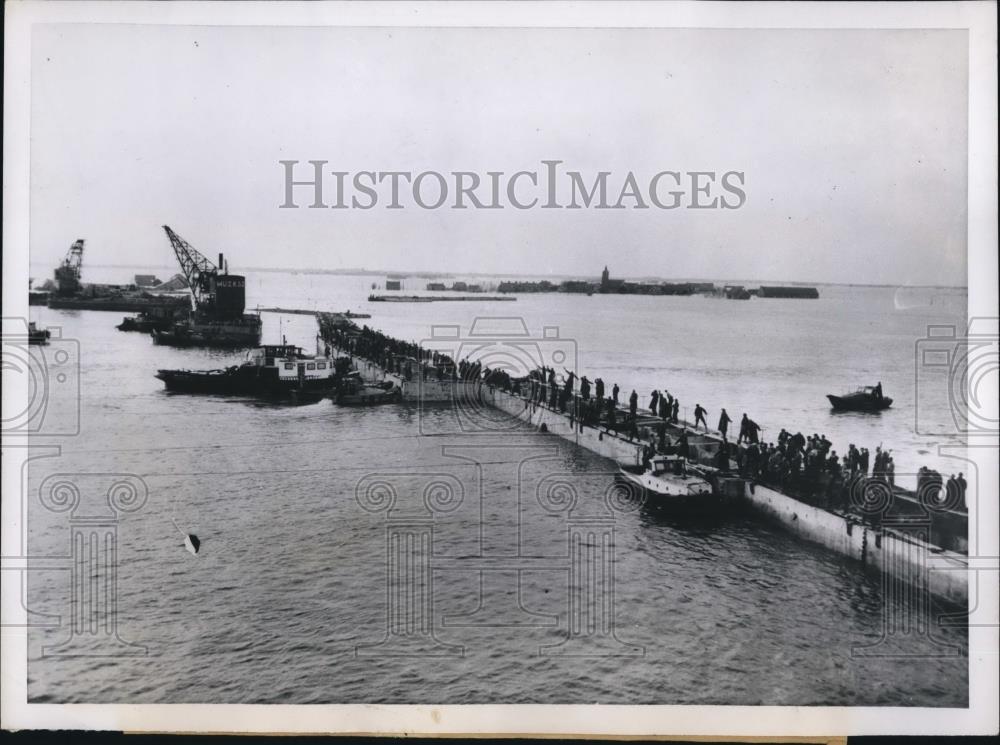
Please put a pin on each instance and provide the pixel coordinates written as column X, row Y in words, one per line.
column 291, row 363
column 669, row 465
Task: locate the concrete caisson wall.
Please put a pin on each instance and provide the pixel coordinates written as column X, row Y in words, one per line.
column 899, row 552
column 595, row 440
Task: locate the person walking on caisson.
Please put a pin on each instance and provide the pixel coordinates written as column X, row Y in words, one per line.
column 699, row 416
column 724, row 421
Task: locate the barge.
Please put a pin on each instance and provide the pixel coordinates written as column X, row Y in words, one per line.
column 201, row 331
column 119, row 300
column 436, row 298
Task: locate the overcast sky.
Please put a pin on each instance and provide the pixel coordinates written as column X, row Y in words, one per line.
column 853, row 145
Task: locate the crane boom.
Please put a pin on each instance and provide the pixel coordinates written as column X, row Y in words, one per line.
column 196, row 268
column 69, row 272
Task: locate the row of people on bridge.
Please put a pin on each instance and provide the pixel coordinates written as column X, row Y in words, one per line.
column 805, row 461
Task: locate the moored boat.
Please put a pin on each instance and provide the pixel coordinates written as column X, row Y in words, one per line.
column 203, row 332
column 868, row 398
column 140, row 323
column 272, row 371
column 353, row 391
column 669, row 481
column 154, row 320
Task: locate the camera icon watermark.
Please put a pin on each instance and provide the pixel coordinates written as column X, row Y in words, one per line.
column 497, row 348
column 957, row 375
column 918, row 540
column 938, row 505
column 41, row 381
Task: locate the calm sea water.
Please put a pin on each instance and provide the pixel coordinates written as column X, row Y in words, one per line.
column 292, row 576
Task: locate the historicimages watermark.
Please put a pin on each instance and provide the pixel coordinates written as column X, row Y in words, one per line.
column 317, row 185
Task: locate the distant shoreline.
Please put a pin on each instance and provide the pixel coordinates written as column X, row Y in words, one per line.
column 361, row 272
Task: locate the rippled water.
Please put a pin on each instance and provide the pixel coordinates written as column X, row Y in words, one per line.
column 292, row 577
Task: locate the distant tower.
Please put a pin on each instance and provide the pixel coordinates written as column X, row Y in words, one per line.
column 605, row 276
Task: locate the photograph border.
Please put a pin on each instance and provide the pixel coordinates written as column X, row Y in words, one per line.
column 980, row 717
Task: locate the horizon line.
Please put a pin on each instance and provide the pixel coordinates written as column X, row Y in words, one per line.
column 433, row 274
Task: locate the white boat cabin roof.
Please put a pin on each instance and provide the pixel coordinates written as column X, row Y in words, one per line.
column 289, row 358
column 675, row 464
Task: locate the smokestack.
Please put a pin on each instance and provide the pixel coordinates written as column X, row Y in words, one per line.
column 221, row 269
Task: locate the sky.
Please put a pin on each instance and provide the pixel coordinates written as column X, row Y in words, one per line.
column 853, row 146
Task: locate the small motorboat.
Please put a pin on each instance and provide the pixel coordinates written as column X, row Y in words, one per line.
column 868, row 398
column 669, row 481
column 353, row 391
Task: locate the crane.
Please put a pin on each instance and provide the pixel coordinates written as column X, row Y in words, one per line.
column 198, row 270
column 69, row 271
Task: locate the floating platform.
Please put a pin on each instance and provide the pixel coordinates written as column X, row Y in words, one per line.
column 800, row 293
column 437, row 298
column 118, row 303
column 302, row 312
column 897, row 544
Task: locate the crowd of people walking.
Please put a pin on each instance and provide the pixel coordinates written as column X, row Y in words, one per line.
column 805, row 465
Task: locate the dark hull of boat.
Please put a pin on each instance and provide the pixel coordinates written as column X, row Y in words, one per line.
column 223, row 340
column 859, row 403
column 144, row 325
column 242, row 382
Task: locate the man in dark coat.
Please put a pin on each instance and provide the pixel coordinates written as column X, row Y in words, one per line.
column 744, row 429
column 724, row 421
column 699, row 416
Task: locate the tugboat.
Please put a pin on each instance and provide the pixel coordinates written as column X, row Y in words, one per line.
column 272, row 371
column 669, row 481
column 353, row 391
column 868, row 398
